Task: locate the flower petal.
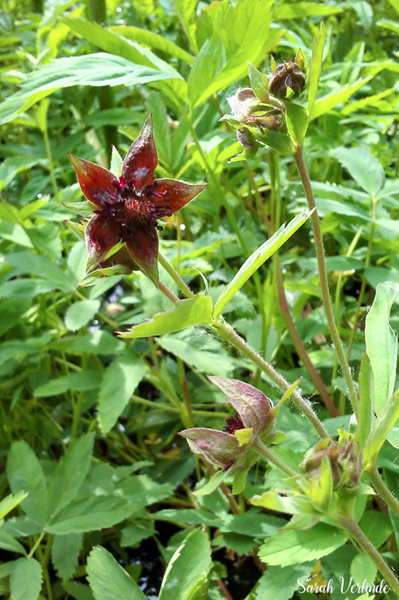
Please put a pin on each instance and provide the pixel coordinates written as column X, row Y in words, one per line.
column 142, row 245
column 101, row 236
column 251, row 404
column 141, row 160
column 219, row 448
column 170, row 195
column 97, row 184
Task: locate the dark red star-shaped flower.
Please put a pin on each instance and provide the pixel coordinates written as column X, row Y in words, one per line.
column 128, row 207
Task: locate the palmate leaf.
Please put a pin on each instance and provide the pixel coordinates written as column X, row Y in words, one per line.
column 239, row 35
column 364, row 167
column 92, row 69
column 91, row 514
column 257, row 259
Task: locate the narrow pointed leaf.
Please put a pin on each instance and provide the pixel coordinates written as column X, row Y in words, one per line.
column 382, row 345
column 315, row 66
column 330, row 101
column 366, row 400
column 257, row 259
column 212, row 484
column 186, row 313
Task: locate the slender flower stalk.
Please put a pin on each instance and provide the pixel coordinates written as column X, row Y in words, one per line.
column 264, row 451
column 298, row 156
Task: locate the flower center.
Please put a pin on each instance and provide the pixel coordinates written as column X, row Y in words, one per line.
column 233, row 423
column 140, row 212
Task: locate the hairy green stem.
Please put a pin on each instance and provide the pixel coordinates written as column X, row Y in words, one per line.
column 229, row 334
column 298, row 156
column 353, row 529
column 382, row 489
column 175, row 276
column 264, row 451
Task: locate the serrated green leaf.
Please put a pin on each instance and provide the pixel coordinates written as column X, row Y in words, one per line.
column 153, row 40
column 7, row 542
column 108, row 580
column 81, row 381
column 119, row 381
column 185, row 313
column 297, row 122
column 70, row 473
column 212, row 484
column 65, row 553
column 187, row 573
column 90, row 514
column 78, row 590
column 280, row 583
column 363, row 569
column 25, row 474
column 81, row 313
column 257, row 259
column 91, row 69
column 26, row 579
column 239, row 35
column 364, row 167
column 290, row 547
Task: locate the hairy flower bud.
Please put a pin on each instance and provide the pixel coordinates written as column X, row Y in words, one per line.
column 344, row 459
column 287, row 76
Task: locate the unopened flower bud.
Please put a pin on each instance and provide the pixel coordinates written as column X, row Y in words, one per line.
column 344, row 461
column 287, row 76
